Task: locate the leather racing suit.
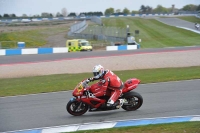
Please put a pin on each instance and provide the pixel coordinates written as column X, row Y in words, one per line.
column 110, row 81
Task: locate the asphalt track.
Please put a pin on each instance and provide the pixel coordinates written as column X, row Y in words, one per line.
column 46, row 110
column 177, row 22
column 77, row 55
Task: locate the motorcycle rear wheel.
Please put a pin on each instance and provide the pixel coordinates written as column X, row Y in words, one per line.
column 134, row 100
column 76, row 108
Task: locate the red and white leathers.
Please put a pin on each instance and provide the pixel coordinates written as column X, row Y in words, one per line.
column 110, row 81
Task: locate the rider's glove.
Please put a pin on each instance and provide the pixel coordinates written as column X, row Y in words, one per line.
column 90, row 79
column 87, row 81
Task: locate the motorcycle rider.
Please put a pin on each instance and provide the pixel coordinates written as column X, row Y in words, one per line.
column 196, row 26
column 109, row 81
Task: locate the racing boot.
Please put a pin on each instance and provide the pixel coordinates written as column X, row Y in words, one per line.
column 116, row 105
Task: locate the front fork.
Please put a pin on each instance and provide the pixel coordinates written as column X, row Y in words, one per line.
column 77, row 108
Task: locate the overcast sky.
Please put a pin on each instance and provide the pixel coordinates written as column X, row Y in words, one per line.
column 32, row 7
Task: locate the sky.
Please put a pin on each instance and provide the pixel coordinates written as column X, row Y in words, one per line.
column 33, row 7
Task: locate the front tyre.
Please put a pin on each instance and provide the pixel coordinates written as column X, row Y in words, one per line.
column 133, row 101
column 76, row 108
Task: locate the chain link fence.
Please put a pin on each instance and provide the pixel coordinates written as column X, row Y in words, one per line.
column 97, row 32
column 96, row 20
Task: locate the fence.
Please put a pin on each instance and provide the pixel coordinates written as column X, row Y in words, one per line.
column 77, row 28
column 97, row 32
column 96, row 20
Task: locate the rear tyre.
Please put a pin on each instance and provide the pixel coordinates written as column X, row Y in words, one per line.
column 134, row 100
column 76, row 108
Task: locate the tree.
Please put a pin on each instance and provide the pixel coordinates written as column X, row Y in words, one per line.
column 36, row 16
column 142, row 9
column 72, row 14
column 135, row 12
column 98, row 13
column 12, row 15
column 59, row 14
column 126, row 11
column 45, row 14
column 64, row 12
column 198, row 8
column 24, row 15
column 0, row 16
column 145, row 9
column 160, row 9
column 118, row 11
column 149, row 9
column 189, row 7
column 109, row 11
column 6, row 16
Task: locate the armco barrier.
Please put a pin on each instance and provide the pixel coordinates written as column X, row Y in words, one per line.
column 9, row 52
column 122, row 47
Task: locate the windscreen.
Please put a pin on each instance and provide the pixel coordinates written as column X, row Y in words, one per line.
column 85, row 43
column 79, row 87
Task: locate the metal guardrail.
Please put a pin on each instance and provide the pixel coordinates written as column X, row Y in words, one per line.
column 98, row 37
column 97, row 32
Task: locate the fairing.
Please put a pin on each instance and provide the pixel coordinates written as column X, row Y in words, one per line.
column 78, row 90
column 130, row 84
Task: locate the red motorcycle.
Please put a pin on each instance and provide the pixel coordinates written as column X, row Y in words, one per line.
column 84, row 99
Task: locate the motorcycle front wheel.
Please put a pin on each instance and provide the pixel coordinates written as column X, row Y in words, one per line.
column 76, row 108
column 133, row 101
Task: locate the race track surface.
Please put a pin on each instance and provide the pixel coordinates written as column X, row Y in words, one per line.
column 46, row 110
column 77, row 55
column 177, row 22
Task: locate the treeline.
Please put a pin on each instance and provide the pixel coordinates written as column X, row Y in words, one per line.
column 111, row 11
column 49, row 15
column 83, row 14
column 149, row 10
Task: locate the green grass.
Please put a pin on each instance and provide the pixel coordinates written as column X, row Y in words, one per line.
column 184, row 127
column 155, row 34
column 32, row 38
column 63, row 82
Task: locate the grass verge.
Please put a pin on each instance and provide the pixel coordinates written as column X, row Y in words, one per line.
column 184, row 127
column 155, row 34
column 33, row 38
column 63, row 82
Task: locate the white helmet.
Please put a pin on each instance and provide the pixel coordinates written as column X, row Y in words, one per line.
column 98, row 71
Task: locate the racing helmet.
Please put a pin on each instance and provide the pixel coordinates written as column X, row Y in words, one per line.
column 98, row 71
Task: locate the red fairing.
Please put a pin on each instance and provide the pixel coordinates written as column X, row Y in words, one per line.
column 78, row 91
column 96, row 89
column 130, row 84
column 90, row 101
